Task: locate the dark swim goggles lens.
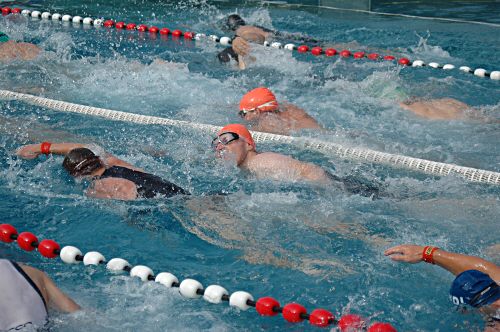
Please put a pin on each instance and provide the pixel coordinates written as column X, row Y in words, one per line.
column 224, row 139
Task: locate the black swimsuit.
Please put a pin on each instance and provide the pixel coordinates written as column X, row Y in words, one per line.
column 148, row 185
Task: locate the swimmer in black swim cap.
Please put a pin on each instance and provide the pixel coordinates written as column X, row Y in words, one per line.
column 234, row 21
column 111, row 177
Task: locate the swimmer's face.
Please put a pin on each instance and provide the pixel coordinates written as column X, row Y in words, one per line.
column 230, row 146
column 250, row 115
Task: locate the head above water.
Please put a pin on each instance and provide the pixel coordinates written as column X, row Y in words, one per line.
column 81, row 162
column 234, row 21
column 258, row 100
column 239, row 129
column 474, row 288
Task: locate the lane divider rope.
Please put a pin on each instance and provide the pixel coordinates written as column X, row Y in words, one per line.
column 226, row 41
column 189, row 288
column 329, row 148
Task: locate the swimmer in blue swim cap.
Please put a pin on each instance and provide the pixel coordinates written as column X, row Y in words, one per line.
column 111, row 178
column 476, row 283
column 12, row 50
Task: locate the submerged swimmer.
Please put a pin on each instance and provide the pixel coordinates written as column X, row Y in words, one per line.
column 249, row 33
column 261, row 109
column 12, row 50
column 112, row 178
column 235, row 143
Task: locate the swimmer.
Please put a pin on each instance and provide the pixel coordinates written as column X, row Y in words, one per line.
column 111, row 178
column 12, row 50
column 27, row 293
column 261, row 109
column 437, row 109
column 235, row 143
column 476, row 283
column 244, row 34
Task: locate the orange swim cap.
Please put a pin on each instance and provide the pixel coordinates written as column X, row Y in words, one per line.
column 261, row 98
column 239, row 129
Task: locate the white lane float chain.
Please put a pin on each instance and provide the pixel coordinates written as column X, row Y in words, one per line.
column 226, row 41
column 188, row 288
column 329, row 148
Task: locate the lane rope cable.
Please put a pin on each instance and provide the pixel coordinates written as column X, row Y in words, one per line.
column 329, row 148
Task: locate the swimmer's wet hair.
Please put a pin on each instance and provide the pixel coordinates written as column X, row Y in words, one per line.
column 81, row 162
column 234, row 21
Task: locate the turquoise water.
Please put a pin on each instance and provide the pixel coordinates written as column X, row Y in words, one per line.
column 313, row 245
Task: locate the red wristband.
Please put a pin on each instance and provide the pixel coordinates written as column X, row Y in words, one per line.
column 45, row 147
column 428, row 254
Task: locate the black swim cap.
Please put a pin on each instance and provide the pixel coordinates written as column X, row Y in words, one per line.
column 234, row 21
column 226, row 55
column 81, row 161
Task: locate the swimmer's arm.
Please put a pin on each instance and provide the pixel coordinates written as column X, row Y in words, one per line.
column 113, row 188
column 57, row 299
column 31, row 151
column 52, row 295
column 453, row 262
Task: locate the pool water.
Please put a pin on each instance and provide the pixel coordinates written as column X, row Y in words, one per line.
column 296, row 242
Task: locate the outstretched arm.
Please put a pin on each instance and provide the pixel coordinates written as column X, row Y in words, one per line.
column 455, row 263
column 32, row 151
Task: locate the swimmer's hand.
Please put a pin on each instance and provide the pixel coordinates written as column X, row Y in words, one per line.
column 30, row 151
column 241, row 46
column 408, row 253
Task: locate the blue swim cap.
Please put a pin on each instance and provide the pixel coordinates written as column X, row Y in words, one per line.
column 474, row 288
column 3, row 37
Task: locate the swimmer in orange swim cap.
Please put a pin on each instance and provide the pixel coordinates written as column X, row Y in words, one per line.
column 234, row 142
column 262, row 110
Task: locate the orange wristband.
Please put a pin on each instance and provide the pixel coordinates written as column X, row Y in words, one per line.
column 428, row 254
column 45, row 147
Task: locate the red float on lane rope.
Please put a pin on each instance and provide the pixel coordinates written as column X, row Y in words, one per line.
column 330, row 52
column 321, row 317
column 142, row 28
column 108, row 23
column 381, row 327
column 350, row 322
column 5, row 11
column 303, row 48
column 316, row 51
column 404, row 61
column 345, row 53
column 359, row 55
column 154, row 29
column 131, row 26
column 25, row 240
column 389, row 57
column 265, row 306
column 188, row 35
column 48, row 248
column 16, row 10
column 373, row 56
column 164, row 31
column 6, row 232
column 292, row 311
column 120, row 25
column 177, row 33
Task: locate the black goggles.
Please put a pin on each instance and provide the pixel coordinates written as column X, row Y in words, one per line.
column 224, row 139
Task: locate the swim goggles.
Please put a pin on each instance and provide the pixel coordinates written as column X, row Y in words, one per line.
column 224, row 139
column 242, row 113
